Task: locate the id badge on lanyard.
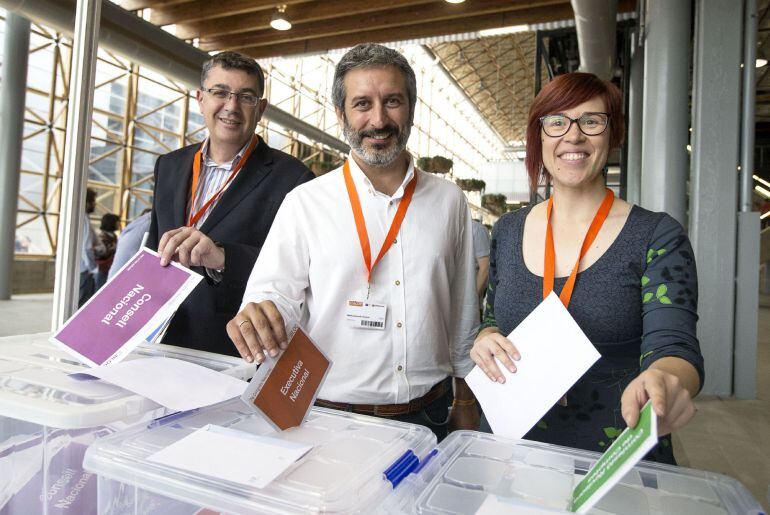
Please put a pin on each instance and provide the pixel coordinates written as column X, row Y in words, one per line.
column 363, row 314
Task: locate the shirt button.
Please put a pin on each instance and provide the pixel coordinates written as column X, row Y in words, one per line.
column 395, row 240
column 390, row 203
column 399, row 368
column 399, row 324
column 398, row 283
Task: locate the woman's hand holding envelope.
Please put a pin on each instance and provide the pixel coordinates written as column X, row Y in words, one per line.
column 490, row 344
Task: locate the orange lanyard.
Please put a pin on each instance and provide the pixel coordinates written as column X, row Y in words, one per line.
column 196, row 172
column 358, row 215
column 550, row 255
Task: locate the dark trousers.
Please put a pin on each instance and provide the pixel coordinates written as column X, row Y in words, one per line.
column 434, row 416
column 99, row 279
column 87, row 287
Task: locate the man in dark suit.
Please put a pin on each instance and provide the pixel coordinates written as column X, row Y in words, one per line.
column 214, row 202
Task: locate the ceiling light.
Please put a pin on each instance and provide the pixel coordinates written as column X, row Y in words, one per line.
column 502, row 31
column 278, row 20
column 455, row 1
column 761, row 62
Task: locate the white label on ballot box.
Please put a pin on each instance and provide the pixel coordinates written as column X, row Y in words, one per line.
column 365, row 315
column 231, row 455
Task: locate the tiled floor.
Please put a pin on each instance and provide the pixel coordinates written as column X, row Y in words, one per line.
column 728, row 436
column 25, row 314
column 731, row 436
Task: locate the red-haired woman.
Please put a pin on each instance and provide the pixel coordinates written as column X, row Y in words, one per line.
column 633, row 291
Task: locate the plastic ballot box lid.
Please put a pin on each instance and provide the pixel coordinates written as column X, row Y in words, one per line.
column 355, row 463
column 472, row 471
column 35, row 385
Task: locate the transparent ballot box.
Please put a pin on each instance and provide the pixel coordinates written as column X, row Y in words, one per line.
column 354, row 464
column 472, row 470
column 48, row 419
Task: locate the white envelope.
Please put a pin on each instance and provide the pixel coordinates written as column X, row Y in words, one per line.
column 555, row 353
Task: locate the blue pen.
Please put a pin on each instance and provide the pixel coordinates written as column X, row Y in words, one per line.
column 168, row 418
column 425, row 460
column 404, row 470
column 401, row 468
column 398, row 462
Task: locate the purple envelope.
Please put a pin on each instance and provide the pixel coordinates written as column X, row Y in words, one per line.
column 127, row 309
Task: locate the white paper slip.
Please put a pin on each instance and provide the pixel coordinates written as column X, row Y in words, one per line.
column 555, row 353
column 231, row 455
column 494, row 505
column 173, row 383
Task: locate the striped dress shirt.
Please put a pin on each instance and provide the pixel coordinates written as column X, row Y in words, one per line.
column 212, row 176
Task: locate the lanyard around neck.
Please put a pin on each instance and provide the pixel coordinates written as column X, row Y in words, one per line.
column 358, row 216
column 196, row 172
column 550, row 254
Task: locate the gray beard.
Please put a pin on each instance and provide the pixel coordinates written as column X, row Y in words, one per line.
column 378, row 158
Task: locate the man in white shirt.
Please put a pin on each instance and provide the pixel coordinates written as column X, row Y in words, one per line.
column 394, row 360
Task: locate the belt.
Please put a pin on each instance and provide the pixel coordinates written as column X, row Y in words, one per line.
column 389, row 410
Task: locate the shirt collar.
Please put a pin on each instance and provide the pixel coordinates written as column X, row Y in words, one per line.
column 361, row 179
column 210, row 163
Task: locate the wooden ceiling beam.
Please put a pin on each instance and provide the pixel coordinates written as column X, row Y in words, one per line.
column 505, row 77
column 418, row 15
column 443, row 28
column 481, row 89
column 297, row 14
column 206, row 9
column 133, row 5
column 500, row 111
column 501, row 77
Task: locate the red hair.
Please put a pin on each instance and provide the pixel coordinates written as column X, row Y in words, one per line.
column 562, row 93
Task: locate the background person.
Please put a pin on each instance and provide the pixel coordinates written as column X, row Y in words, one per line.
column 635, row 294
column 87, row 259
column 104, row 251
column 481, row 253
column 130, row 241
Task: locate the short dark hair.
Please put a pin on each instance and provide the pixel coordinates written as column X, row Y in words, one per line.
column 110, row 222
column 565, row 92
column 235, row 61
column 90, row 195
column 372, row 55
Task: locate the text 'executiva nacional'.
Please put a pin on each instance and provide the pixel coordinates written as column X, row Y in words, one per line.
column 295, row 372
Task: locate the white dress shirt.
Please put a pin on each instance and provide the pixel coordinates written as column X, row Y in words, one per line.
column 311, row 265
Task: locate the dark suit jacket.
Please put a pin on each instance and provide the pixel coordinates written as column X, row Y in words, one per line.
column 239, row 222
